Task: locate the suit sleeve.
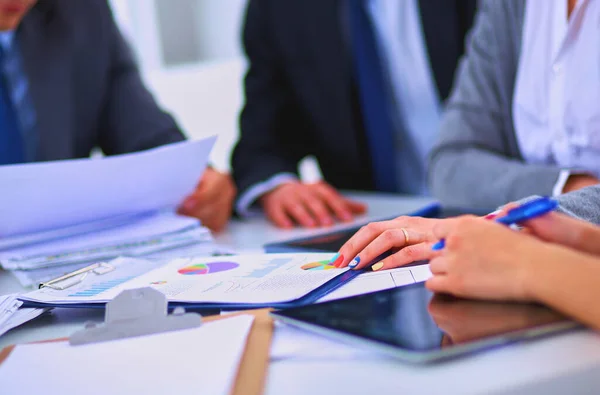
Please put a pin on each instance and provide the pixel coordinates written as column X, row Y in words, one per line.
column 131, row 119
column 583, row 203
column 273, row 127
column 473, row 164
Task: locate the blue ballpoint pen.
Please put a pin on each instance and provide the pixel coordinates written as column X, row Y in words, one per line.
column 525, row 212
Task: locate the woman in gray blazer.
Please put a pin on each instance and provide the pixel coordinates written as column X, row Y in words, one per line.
column 523, row 118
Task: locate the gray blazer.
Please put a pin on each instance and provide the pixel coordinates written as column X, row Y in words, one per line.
column 477, row 162
column 84, row 84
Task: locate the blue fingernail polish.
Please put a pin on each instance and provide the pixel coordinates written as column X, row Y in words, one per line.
column 355, row 262
column 439, row 245
column 334, row 258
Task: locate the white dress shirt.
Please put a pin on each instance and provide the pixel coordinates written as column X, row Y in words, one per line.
column 556, row 106
column 414, row 98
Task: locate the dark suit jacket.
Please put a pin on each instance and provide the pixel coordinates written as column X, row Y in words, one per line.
column 84, row 83
column 300, row 95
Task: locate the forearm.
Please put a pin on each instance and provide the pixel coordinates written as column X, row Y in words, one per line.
column 567, row 281
column 464, row 174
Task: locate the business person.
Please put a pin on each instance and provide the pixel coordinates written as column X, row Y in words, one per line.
column 358, row 84
column 69, row 83
column 557, row 263
column 523, row 116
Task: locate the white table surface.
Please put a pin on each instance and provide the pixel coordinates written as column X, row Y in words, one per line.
column 568, row 363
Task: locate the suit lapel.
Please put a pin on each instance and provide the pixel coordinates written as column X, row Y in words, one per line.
column 441, row 32
column 47, row 63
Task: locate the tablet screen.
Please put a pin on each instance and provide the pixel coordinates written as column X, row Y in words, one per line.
column 332, row 242
column 411, row 319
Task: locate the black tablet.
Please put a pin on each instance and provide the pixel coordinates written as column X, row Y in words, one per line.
column 333, row 241
column 414, row 325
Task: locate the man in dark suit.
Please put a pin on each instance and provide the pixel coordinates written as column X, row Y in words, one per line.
column 69, row 84
column 356, row 83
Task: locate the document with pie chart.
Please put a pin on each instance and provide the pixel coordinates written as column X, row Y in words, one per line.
column 238, row 279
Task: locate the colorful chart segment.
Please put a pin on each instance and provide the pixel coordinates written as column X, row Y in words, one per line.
column 319, row 265
column 207, row 268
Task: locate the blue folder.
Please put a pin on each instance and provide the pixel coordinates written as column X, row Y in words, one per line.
column 432, row 210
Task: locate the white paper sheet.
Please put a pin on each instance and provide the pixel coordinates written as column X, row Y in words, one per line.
column 378, row 281
column 204, row 360
column 12, row 315
column 41, row 196
column 264, row 278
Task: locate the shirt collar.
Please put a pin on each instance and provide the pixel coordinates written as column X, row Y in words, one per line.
column 6, row 39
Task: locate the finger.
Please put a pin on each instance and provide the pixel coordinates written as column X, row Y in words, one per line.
column 559, row 228
column 445, row 227
column 363, row 238
column 438, row 284
column 211, row 190
column 391, row 238
column 438, row 265
column 298, row 212
column 313, row 202
column 277, row 215
column 356, row 207
column 335, row 201
column 502, row 211
column 220, row 221
column 413, row 253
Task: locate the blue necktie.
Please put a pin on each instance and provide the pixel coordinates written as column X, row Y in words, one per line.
column 373, row 97
column 11, row 141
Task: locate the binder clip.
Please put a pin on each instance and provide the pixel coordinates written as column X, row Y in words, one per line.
column 136, row 312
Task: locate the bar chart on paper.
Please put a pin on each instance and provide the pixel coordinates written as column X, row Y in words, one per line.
column 98, row 288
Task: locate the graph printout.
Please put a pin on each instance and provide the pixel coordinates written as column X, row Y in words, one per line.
column 262, row 278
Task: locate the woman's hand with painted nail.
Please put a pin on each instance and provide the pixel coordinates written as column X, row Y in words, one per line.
column 410, row 237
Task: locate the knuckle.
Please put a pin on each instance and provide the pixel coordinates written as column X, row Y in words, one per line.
column 372, row 228
column 389, row 237
column 412, row 253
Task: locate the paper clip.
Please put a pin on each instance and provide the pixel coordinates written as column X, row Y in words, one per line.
column 70, row 279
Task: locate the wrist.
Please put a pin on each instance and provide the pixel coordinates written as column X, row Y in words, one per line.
column 535, row 269
column 578, row 181
column 543, row 270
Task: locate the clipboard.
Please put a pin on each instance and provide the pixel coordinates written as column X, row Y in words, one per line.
column 252, row 370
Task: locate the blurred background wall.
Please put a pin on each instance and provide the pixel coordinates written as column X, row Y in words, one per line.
column 190, row 55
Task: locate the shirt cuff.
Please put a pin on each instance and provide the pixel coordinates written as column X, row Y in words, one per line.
column 248, row 198
column 563, row 177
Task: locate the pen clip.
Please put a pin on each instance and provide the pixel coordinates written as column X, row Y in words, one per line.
column 61, row 283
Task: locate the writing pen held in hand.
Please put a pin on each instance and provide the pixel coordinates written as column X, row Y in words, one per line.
column 524, row 212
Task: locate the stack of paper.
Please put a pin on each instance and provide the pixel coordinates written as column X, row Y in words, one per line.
column 145, row 234
column 95, row 210
column 11, row 315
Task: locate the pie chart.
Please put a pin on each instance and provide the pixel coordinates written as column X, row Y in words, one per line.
column 319, row 265
column 207, row 268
